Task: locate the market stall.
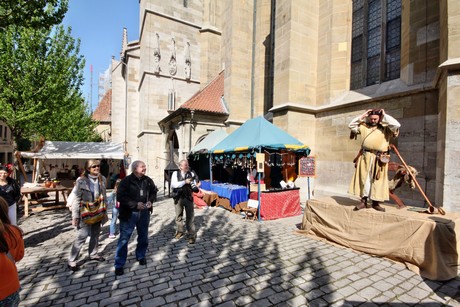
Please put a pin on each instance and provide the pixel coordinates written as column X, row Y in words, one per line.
column 62, row 163
column 199, row 158
column 199, row 161
column 65, row 160
column 238, row 154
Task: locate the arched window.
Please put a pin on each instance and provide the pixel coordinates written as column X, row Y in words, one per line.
column 376, row 42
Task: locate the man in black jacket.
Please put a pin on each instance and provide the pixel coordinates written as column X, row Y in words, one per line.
column 135, row 194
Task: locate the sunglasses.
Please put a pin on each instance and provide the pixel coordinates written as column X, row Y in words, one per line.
column 94, row 166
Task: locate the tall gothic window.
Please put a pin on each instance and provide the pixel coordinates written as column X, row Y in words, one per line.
column 376, row 42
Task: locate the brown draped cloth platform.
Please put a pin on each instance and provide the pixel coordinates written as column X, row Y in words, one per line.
column 427, row 244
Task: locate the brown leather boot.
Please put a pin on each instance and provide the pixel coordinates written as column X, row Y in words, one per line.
column 362, row 204
column 376, row 206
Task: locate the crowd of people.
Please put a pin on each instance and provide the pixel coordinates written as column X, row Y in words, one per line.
column 132, row 197
column 130, row 202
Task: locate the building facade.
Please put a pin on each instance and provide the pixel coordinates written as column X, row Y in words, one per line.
column 310, row 66
column 6, row 144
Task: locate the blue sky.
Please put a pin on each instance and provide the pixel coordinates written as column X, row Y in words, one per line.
column 99, row 25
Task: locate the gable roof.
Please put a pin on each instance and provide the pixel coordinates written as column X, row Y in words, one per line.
column 257, row 133
column 104, row 109
column 210, row 98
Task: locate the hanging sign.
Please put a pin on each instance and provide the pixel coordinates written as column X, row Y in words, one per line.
column 307, row 167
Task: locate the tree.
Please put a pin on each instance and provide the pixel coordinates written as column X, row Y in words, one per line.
column 32, row 13
column 41, row 73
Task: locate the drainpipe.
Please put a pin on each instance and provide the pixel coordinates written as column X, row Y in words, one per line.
column 126, row 107
column 254, row 15
column 190, row 132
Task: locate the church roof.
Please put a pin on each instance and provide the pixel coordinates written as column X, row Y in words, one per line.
column 210, row 98
column 103, row 110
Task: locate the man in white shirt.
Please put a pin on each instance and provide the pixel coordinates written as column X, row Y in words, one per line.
column 184, row 182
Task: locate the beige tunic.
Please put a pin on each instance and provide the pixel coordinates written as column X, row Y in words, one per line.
column 365, row 182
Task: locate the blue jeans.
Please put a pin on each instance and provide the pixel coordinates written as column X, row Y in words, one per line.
column 113, row 222
column 140, row 220
column 11, row 300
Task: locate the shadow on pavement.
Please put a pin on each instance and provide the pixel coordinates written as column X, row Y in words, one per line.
column 233, row 262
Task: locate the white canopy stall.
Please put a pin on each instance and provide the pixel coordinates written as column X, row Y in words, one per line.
column 59, row 157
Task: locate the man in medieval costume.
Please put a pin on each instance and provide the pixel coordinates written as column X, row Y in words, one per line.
column 370, row 180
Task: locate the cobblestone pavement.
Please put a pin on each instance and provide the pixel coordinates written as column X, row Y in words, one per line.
column 233, row 263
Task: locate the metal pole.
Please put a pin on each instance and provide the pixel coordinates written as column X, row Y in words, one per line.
column 210, row 168
column 190, row 131
column 259, row 175
column 253, row 59
column 126, row 107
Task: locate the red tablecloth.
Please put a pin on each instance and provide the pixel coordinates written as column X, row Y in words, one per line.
column 275, row 205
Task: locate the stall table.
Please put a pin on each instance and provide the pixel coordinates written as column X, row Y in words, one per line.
column 279, row 203
column 235, row 193
column 27, row 191
column 209, row 197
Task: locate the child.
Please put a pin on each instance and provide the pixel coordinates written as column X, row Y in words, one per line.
column 112, row 201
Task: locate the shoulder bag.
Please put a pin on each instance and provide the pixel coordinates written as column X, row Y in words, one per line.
column 93, row 212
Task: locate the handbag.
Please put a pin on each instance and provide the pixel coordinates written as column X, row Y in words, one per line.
column 92, row 213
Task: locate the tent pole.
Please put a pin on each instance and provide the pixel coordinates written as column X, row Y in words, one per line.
column 210, row 168
column 34, row 171
column 21, row 167
column 259, row 175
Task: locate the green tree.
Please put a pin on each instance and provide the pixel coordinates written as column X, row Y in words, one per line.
column 41, row 73
column 32, row 13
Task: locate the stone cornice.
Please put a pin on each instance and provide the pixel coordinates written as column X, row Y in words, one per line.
column 234, row 122
column 211, row 29
column 450, row 64
column 160, row 75
column 143, row 132
column 352, row 98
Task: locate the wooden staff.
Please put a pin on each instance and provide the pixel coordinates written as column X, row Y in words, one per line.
column 431, row 208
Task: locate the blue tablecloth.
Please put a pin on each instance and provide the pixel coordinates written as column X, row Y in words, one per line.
column 205, row 185
column 235, row 193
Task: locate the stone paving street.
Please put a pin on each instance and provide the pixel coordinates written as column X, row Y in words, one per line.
column 233, row 263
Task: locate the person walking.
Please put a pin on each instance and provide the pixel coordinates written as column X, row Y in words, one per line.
column 112, row 201
column 136, row 193
column 11, row 192
column 11, row 251
column 89, row 190
column 370, row 180
column 184, row 182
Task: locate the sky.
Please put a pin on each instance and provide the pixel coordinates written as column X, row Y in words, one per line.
column 99, row 25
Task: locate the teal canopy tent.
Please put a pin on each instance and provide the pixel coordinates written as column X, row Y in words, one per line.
column 199, row 158
column 258, row 133
column 252, row 137
column 209, row 141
